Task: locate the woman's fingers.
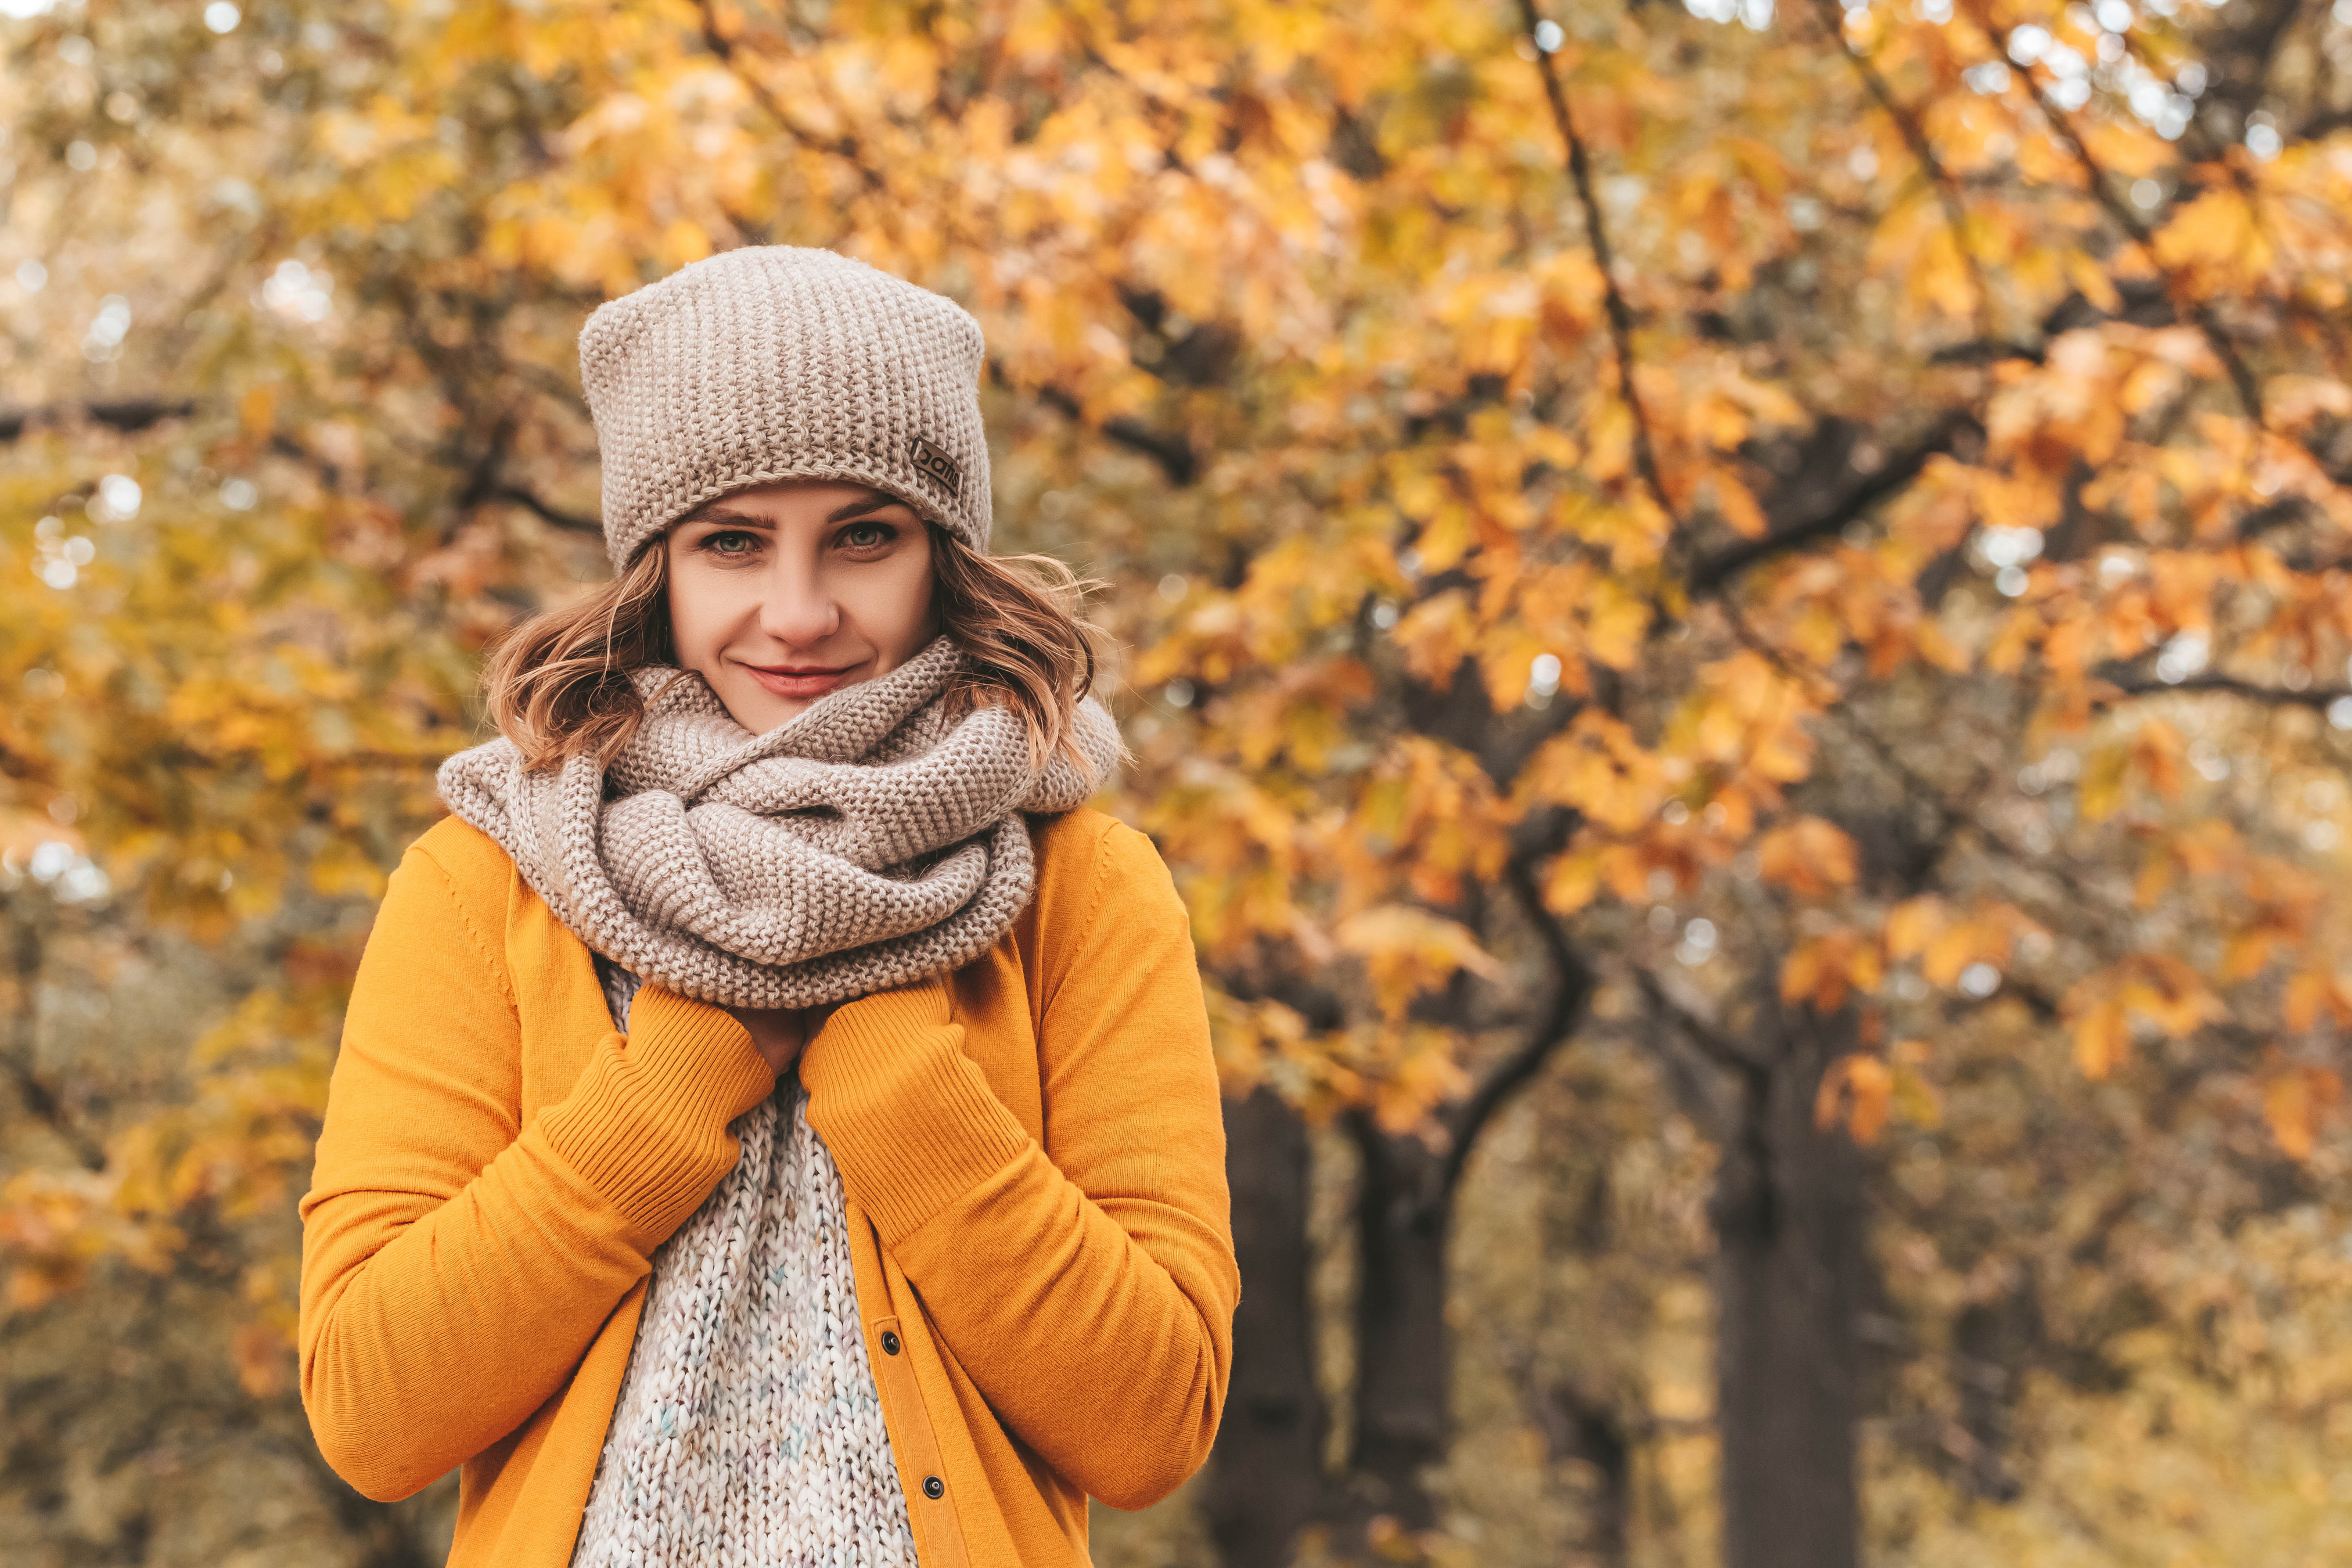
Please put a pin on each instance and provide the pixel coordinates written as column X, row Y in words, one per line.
column 779, row 1034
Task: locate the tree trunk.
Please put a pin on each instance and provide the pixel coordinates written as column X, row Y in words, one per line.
column 1267, row 1478
column 1789, row 1218
column 1402, row 1364
column 1590, row 1433
column 1990, row 1338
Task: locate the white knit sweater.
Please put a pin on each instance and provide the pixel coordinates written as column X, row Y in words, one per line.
column 748, row 1429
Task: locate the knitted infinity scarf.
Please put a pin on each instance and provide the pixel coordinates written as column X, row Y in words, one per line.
column 869, row 842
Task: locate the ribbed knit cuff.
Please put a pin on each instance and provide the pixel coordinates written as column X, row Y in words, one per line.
column 908, row 1117
column 647, row 1124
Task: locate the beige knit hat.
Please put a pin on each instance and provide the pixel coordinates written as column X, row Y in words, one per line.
column 776, row 362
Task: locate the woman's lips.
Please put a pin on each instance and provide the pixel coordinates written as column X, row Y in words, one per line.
column 800, row 681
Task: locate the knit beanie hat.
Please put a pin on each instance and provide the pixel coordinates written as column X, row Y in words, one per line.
column 777, row 363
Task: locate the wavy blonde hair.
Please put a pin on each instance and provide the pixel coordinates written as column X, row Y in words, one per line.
column 558, row 685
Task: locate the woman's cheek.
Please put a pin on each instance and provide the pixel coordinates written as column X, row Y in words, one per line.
column 685, row 621
column 703, row 600
column 912, row 609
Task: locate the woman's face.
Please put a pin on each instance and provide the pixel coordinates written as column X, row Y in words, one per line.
column 783, row 591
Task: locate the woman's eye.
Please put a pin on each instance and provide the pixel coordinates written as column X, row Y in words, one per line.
column 733, row 542
column 868, row 535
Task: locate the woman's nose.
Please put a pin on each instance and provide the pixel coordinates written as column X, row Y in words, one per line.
column 797, row 609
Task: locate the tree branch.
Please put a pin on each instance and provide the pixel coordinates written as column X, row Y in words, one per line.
column 1596, row 235
column 556, row 516
column 38, row 1098
column 126, row 414
column 1915, row 136
column 1571, row 992
column 2286, row 509
column 2131, row 683
column 2102, row 190
column 42, row 1100
column 1695, row 1029
column 842, row 147
column 1711, row 573
column 1168, row 448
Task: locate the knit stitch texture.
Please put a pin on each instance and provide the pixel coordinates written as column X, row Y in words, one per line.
column 777, row 363
column 749, row 1431
column 866, row 843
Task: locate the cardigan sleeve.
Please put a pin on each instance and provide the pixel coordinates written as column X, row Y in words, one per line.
column 457, row 1262
column 1087, row 1286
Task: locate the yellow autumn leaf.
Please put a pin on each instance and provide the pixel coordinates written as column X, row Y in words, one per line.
column 1408, row 950
column 2101, row 1038
column 1856, row 1091
column 1911, row 925
column 2295, row 1101
column 1810, row 858
column 1825, row 969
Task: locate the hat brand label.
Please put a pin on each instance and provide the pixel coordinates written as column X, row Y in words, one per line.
column 930, row 460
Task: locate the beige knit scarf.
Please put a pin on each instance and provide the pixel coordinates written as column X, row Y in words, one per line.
column 868, row 842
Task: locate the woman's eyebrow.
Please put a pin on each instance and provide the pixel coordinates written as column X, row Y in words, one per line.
column 875, row 500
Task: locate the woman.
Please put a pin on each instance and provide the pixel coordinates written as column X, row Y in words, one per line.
column 775, row 1121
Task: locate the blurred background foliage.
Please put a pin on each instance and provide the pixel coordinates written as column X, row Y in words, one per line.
column 1734, row 621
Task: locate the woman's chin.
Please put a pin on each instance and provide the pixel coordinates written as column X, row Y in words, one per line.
column 761, row 712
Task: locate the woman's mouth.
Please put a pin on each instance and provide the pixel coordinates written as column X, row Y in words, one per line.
column 799, row 680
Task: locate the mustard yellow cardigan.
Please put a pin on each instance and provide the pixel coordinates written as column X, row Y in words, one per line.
column 1032, row 1150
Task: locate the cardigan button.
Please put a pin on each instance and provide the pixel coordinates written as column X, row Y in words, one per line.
column 890, row 1342
column 934, row 1488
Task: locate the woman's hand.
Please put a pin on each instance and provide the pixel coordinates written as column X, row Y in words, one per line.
column 780, row 1034
column 928, row 1003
